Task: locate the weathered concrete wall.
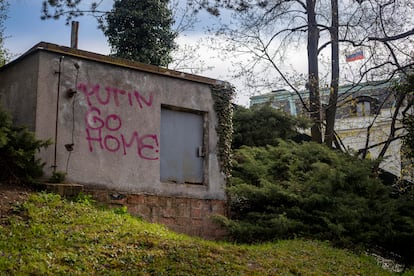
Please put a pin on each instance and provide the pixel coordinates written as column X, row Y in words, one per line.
column 113, row 122
column 18, row 90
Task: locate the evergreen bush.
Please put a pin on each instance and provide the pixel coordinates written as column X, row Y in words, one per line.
column 307, row 190
column 264, row 125
column 18, row 147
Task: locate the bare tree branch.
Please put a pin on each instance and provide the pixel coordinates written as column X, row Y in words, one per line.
column 381, row 143
column 392, row 38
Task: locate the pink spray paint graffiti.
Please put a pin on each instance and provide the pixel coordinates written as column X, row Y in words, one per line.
column 113, row 94
column 105, row 131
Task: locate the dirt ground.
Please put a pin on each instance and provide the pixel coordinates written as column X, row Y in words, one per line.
column 10, row 194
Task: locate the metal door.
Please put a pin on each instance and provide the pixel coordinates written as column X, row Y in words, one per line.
column 181, row 147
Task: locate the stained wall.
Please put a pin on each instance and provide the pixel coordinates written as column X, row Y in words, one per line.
column 103, row 116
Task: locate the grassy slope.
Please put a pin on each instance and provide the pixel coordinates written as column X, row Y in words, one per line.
column 48, row 235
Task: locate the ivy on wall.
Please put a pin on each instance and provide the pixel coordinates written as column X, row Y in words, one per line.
column 223, row 95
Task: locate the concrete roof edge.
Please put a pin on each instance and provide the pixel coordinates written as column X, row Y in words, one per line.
column 50, row 47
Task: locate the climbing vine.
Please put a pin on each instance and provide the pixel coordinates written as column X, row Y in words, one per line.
column 222, row 96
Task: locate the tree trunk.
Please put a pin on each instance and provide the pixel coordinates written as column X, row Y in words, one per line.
column 393, row 128
column 333, row 95
column 313, row 71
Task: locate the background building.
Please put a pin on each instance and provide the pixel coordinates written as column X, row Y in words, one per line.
column 359, row 107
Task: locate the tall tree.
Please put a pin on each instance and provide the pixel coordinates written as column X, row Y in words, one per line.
column 3, row 16
column 334, row 87
column 141, row 31
column 153, row 17
column 267, row 30
column 390, row 54
column 313, row 71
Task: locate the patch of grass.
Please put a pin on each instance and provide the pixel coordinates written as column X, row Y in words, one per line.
column 48, row 235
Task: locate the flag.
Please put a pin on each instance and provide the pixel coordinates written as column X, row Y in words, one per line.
column 356, row 55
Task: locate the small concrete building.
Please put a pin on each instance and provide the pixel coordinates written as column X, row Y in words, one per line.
column 132, row 134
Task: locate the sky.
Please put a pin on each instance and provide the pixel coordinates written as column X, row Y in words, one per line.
column 24, row 29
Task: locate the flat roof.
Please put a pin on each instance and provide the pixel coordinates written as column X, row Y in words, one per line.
column 139, row 66
column 347, row 88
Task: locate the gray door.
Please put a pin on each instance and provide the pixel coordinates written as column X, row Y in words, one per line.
column 181, row 147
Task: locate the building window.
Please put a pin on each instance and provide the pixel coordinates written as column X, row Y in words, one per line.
column 363, row 108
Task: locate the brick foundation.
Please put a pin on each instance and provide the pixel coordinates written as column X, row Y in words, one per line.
column 184, row 215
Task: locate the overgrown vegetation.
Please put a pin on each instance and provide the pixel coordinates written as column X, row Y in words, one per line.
column 48, row 235
column 141, row 31
column 307, row 190
column 264, row 125
column 223, row 96
column 282, row 190
column 18, row 147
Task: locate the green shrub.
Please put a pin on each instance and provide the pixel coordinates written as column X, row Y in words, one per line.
column 307, row 190
column 57, row 177
column 84, row 199
column 264, row 125
column 18, row 147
